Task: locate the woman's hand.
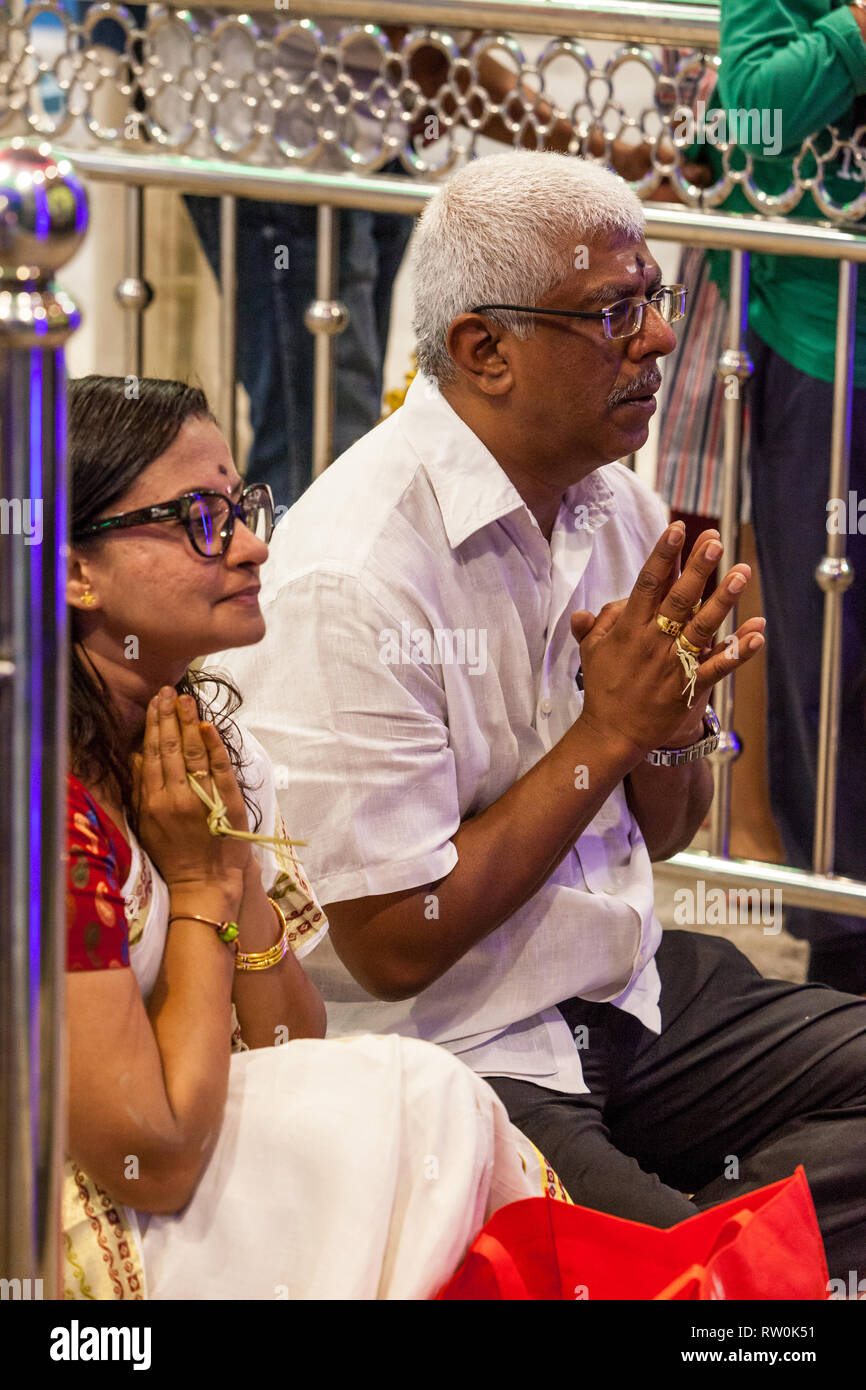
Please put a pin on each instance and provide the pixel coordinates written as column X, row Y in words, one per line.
column 172, row 819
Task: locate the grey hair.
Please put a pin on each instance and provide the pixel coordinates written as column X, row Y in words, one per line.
column 496, row 234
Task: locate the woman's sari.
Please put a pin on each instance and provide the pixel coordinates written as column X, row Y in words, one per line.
column 351, row 1168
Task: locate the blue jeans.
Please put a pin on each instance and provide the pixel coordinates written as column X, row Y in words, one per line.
column 791, row 417
column 274, row 358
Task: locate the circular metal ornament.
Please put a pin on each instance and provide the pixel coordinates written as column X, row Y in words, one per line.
column 327, row 316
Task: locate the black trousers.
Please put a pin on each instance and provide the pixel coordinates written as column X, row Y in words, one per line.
column 748, row 1078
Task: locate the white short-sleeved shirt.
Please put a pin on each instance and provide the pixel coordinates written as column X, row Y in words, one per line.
column 418, row 661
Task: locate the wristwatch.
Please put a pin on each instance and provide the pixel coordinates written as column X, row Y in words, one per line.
column 677, row 757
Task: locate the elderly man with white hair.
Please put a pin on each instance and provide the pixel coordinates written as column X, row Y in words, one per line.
column 485, row 685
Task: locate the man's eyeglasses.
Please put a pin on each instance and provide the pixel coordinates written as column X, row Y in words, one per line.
column 209, row 518
column 622, row 319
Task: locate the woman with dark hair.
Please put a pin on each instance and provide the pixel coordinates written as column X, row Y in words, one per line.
column 206, row 1159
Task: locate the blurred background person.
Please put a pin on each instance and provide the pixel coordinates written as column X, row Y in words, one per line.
column 802, row 64
column 690, row 469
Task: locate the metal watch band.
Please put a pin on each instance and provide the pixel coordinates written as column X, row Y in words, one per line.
column 676, row 757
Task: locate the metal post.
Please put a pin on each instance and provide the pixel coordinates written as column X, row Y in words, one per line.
column 228, row 318
column 734, row 368
column 45, row 215
column 134, row 292
column 834, row 575
column 325, row 317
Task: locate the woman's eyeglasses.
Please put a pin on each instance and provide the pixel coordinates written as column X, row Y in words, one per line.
column 209, row 518
column 621, row 320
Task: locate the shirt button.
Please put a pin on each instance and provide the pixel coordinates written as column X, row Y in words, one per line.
column 546, row 706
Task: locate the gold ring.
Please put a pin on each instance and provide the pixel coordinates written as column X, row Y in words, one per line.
column 686, row 646
column 200, row 774
column 669, row 625
column 697, row 608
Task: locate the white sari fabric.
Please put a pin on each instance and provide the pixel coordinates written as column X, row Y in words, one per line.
column 355, row 1168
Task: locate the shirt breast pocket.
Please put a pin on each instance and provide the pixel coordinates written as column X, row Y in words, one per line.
column 604, row 849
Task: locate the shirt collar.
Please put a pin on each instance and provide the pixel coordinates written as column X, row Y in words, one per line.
column 589, row 503
column 471, row 488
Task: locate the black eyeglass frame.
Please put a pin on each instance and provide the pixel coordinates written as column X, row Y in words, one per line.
column 179, row 510
column 603, row 314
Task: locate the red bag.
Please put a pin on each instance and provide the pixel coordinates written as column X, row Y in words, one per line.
column 765, row 1245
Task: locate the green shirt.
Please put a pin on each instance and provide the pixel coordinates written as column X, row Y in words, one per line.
column 805, row 59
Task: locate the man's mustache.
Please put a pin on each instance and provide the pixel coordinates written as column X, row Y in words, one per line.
column 642, row 385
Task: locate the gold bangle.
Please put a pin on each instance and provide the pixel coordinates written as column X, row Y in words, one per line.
column 263, row 960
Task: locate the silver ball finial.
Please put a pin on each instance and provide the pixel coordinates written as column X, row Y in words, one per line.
column 327, row 316
column 834, row 574
column 134, row 294
column 43, row 212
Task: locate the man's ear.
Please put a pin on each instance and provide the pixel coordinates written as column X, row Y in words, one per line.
column 480, row 350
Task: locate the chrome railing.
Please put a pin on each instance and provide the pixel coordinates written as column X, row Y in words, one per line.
column 274, row 88
column 44, row 217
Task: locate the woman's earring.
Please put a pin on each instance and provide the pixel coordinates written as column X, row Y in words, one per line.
column 87, row 598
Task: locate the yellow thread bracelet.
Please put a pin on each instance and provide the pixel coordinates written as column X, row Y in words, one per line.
column 218, row 822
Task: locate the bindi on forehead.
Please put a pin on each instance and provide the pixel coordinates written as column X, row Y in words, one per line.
column 231, row 487
column 163, row 485
column 205, row 472
column 621, row 265
column 626, row 275
column 629, row 260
